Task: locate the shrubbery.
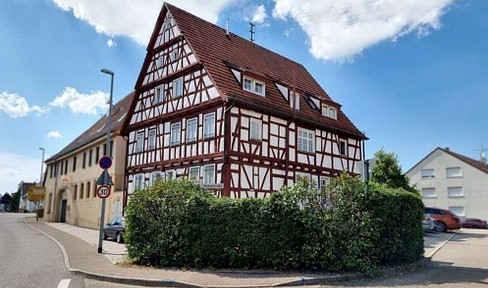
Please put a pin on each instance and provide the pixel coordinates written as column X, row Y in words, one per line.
column 178, row 224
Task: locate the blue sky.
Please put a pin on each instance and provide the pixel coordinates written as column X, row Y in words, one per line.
column 411, row 85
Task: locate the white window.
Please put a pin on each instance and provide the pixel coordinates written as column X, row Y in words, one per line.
column 453, row 172
column 209, row 174
column 152, row 139
column 139, row 182
column 256, row 128
column 209, row 125
column 343, row 147
column 166, row 25
column 191, row 130
column 324, row 181
column 194, row 173
column 300, row 175
column 158, row 94
column 155, row 176
column 458, row 210
column 295, row 98
column 178, row 88
column 254, row 86
column 455, row 192
column 174, row 55
column 170, row 175
column 175, row 133
column 329, row 111
column 160, row 62
column 140, row 142
column 429, row 193
column 306, row 140
column 427, row 173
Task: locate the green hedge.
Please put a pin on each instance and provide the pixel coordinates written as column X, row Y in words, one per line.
column 178, row 224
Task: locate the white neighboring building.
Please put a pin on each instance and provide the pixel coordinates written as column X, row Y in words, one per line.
column 452, row 181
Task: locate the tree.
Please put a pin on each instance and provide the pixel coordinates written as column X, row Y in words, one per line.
column 7, row 201
column 387, row 171
column 15, row 201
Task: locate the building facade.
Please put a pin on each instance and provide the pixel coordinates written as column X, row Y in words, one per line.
column 24, row 204
column 449, row 180
column 240, row 119
column 71, row 174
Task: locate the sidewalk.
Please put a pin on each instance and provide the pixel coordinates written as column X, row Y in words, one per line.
column 83, row 259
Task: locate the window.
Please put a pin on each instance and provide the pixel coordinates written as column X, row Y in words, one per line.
column 51, row 173
column 140, row 142
column 66, row 167
column 453, row 172
column 138, row 182
column 158, row 94
column 94, row 188
column 194, row 173
column 458, row 210
column 166, row 25
column 61, row 170
column 90, row 156
column 209, row 125
column 111, row 148
column 177, row 88
column 75, row 191
column 323, row 182
column 155, row 176
column 427, row 173
column 295, row 105
column 429, row 193
column 254, row 86
column 88, row 189
column 84, row 160
column 191, row 130
column 174, row 55
column 170, row 175
column 160, row 62
column 256, row 128
column 209, row 174
column 175, row 133
column 343, row 147
column 454, row 192
column 329, row 111
column 152, row 139
column 74, row 164
column 306, row 140
column 97, row 154
column 82, row 190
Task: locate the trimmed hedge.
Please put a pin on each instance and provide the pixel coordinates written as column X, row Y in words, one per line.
column 178, row 224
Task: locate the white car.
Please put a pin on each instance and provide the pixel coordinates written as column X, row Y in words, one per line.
column 428, row 223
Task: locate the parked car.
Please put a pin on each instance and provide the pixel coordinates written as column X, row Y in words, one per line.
column 473, row 223
column 445, row 219
column 428, row 223
column 115, row 229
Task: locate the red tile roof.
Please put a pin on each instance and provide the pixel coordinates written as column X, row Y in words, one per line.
column 99, row 129
column 475, row 163
column 218, row 51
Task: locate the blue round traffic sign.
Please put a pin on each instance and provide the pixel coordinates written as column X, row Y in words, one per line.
column 105, row 162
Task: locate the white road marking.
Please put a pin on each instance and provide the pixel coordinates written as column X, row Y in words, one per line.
column 64, row 283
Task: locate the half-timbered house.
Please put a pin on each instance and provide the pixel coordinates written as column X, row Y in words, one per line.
column 230, row 114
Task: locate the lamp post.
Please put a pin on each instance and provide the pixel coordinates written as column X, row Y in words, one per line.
column 40, row 181
column 107, row 153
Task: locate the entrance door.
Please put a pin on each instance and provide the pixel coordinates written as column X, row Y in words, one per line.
column 62, row 216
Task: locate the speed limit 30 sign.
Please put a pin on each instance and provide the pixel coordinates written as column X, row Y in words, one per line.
column 103, row 191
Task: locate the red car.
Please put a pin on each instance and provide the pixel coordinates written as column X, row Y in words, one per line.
column 473, row 223
column 445, row 219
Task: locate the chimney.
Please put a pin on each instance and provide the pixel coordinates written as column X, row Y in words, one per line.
column 446, row 148
column 228, row 28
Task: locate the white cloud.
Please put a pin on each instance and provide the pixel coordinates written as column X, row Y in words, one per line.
column 54, row 134
column 16, row 106
column 81, row 103
column 259, row 15
column 111, row 43
column 341, row 29
column 15, row 168
column 134, row 19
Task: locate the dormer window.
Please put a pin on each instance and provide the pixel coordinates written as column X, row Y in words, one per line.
column 329, row 111
column 295, row 97
column 253, row 85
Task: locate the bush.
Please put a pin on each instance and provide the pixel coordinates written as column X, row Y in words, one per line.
column 179, row 224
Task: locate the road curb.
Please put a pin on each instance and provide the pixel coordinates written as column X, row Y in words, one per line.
column 439, row 247
column 302, row 281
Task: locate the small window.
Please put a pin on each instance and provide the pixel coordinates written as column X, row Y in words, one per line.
column 74, row 165
column 174, row 55
column 191, row 130
column 90, row 156
column 139, row 182
column 97, row 154
column 75, row 192
column 88, row 189
column 160, row 62
column 152, row 139
column 155, row 176
column 455, row 192
column 453, row 172
column 194, row 173
column 178, row 88
column 429, row 193
column 209, row 125
column 324, row 181
column 254, row 86
column 158, row 94
column 167, row 25
column 256, row 128
column 175, row 133
column 295, row 96
column 427, row 173
column 82, row 190
column 329, row 111
column 458, row 210
column 299, row 176
column 171, row 175
column 209, row 174
column 306, row 140
column 140, row 142
column 84, row 161
column 343, row 147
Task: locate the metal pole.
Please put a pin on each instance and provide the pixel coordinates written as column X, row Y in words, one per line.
column 40, row 182
column 107, row 153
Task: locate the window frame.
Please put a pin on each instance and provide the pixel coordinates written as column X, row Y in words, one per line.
column 172, row 140
column 212, row 134
column 461, row 195
column 326, row 111
column 253, row 85
column 197, row 168
column 429, row 176
column 140, row 145
column 343, row 153
column 172, row 53
column 175, row 84
column 259, row 122
column 151, row 145
column 430, row 196
column 455, row 176
column 312, row 141
column 205, row 173
column 194, row 119
column 158, row 99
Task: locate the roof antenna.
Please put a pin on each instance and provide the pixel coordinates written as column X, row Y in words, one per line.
column 482, row 155
column 251, row 29
column 228, row 28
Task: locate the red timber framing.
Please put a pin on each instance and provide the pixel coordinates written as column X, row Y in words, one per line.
column 191, row 118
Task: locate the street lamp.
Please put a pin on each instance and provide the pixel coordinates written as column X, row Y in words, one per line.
column 107, row 153
column 40, row 181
